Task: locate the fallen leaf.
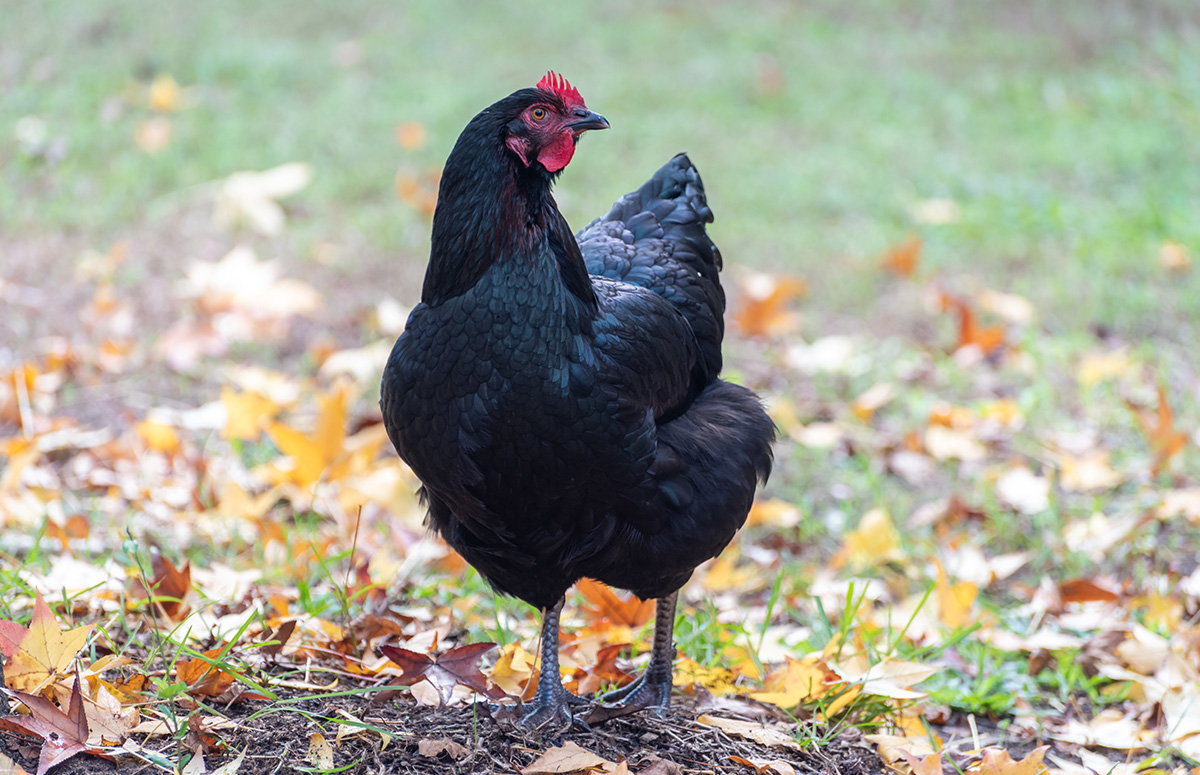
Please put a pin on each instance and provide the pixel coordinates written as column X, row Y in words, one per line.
column 41, row 654
column 251, row 196
column 1085, row 591
column 954, row 599
column 1159, row 430
column 988, row 339
column 320, row 752
column 764, row 309
column 630, row 611
column 1024, row 491
column 875, row 541
column 434, row 748
column 410, row 135
column 63, row 735
column 997, row 761
column 935, row 212
column 901, row 260
column 749, row 730
column 766, row 766
column 203, row 677
column 930, row 765
column 568, row 758
column 797, row 681
column 247, row 414
column 1174, row 257
column 454, row 667
column 153, row 135
column 163, row 95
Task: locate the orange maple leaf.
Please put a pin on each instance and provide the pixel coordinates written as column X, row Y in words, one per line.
column 632, row 612
column 901, row 260
column 764, row 308
column 988, row 339
column 1159, row 430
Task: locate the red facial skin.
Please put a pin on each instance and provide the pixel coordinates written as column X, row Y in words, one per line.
column 547, row 124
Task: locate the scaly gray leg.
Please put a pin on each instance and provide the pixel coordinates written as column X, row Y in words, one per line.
column 652, row 689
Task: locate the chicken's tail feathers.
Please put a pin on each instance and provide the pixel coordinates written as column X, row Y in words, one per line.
column 656, row 237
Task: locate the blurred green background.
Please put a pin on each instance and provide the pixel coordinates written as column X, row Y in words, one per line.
column 1064, row 131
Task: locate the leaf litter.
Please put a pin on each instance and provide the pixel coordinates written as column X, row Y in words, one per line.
column 893, row 600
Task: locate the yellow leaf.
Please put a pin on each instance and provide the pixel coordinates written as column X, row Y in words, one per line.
column 246, row 414
column 1095, row 367
column 797, row 681
column 158, row 437
column 954, row 600
column 998, row 762
column 164, row 94
column 871, row 399
column 1174, row 257
column 320, row 752
column 873, row 542
column 40, row 654
column 311, row 455
column 930, row 765
column 775, row 512
column 514, row 671
column 718, row 680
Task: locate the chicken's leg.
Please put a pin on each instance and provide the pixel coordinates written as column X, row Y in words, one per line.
column 652, row 689
column 549, row 711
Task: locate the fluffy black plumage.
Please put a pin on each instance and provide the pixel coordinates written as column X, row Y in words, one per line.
column 557, row 395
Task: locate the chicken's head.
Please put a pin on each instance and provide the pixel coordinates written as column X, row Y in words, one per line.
column 548, row 128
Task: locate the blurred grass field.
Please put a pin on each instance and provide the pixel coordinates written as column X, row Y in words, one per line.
column 1063, row 131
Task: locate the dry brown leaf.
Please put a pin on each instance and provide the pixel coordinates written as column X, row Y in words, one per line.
column 320, row 752
column 893, row 747
column 434, row 748
column 63, row 734
column 766, row 766
column 454, row 667
column 1085, row 591
column 568, row 758
column 750, row 730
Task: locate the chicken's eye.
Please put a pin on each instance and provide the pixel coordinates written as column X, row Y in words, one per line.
column 538, row 114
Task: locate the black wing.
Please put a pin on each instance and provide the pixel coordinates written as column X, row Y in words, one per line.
column 655, row 238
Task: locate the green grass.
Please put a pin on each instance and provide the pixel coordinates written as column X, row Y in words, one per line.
column 1061, row 129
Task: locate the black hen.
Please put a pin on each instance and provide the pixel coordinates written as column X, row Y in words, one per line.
column 558, row 396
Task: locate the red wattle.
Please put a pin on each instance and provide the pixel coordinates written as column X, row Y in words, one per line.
column 558, row 154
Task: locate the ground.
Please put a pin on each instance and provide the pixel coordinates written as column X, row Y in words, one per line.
column 959, row 246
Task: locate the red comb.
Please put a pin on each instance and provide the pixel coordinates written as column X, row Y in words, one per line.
column 556, row 84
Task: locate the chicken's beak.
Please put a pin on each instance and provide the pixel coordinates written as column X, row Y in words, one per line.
column 587, row 120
